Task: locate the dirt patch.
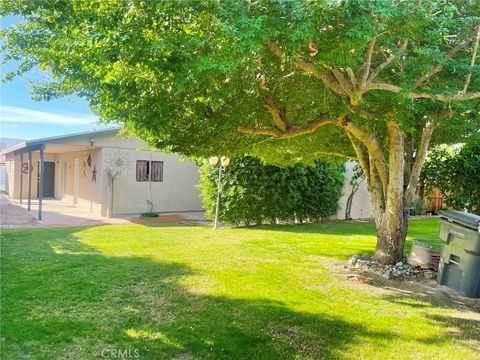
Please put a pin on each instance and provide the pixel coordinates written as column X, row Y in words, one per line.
column 159, row 219
column 418, row 289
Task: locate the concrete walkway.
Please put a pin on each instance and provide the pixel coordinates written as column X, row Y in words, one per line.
column 57, row 213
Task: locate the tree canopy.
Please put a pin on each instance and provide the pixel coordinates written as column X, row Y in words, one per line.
column 185, row 75
column 378, row 81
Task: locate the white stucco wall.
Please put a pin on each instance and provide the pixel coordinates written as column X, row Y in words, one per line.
column 361, row 205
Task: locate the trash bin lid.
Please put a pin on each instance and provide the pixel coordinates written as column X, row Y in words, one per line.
column 471, row 221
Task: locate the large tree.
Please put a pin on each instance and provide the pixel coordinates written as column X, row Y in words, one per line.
column 289, row 81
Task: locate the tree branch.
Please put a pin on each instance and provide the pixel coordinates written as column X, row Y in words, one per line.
column 277, row 115
column 461, row 96
column 439, row 67
column 472, row 62
column 368, row 63
column 362, row 155
column 420, row 156
column 373, row 148
column 384, row 86
column 446, row 98
column 292, row 131
column 309, row 68
column 260, row 131
column 353, row 79
column 347, row 88
column 334, row 154
column 387, row 62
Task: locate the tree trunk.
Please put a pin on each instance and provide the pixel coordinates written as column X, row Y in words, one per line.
column 391, row 223
column 348, row 206
column 391, row 235
column 391, row 184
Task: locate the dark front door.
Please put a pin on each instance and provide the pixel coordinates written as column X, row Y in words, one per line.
column 48, row 178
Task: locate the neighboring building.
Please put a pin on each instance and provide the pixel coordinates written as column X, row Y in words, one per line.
column 76, row 167
column 361, row 204
column 5, row 143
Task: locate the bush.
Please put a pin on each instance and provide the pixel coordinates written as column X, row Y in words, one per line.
column 418, row 206
column 456, row 173
column 254, row 193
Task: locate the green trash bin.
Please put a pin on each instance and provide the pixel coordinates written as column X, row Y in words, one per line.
column 460, row 259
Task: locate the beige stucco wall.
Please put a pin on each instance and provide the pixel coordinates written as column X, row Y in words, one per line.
column 13, row 170
column 89, row 191
column 361, row 205
column 177, row 192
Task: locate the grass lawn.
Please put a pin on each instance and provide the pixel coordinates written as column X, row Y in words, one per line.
column 187, row 292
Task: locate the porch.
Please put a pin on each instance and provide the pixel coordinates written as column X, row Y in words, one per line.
column 55, row 213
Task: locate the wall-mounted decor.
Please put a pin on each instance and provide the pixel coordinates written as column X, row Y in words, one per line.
column 116, row 163
column 94, row 174
column 89, row 160
column 25, row 168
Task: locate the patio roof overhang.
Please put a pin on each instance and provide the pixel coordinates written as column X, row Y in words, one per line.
column 56, row 144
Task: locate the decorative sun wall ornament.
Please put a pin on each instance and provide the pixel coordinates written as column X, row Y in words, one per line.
column 89, row 160
column 116, row 163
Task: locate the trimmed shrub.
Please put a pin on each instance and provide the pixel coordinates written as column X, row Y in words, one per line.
column 255, row 193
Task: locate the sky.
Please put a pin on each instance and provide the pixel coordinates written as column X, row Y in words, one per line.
column 23, row 118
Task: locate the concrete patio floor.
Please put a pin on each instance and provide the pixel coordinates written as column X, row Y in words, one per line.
column 57, row 213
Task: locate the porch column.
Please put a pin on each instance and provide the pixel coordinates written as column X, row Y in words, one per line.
column 40, row 185
column 29, row 180
column 21, row 178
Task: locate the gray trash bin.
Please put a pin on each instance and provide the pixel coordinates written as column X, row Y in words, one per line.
column 460, row 260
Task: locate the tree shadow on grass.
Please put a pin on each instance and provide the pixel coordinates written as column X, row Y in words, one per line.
column 430, row 299
column 345, row 228
column 62, row 298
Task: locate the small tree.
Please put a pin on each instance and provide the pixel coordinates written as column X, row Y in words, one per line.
column 116, row 163
column 256, row 193
column 455, row 172
column 357, row 179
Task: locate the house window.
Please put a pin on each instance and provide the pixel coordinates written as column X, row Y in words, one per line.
column 143, row 170
column 157, row 171
column 149, row 170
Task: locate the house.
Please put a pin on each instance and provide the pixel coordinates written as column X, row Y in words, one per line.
column 102, row 171
column 5, row 143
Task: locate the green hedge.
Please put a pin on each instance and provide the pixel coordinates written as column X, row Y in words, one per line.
column 254, row 193
column 456, row 173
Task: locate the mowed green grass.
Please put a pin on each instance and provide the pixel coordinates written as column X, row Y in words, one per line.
column 174, row 291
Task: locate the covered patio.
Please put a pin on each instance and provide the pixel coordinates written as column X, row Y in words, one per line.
column 54, row 213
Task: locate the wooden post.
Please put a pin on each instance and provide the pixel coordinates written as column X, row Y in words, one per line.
column 40, row 185
column 21, row 178
column 29, row 180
